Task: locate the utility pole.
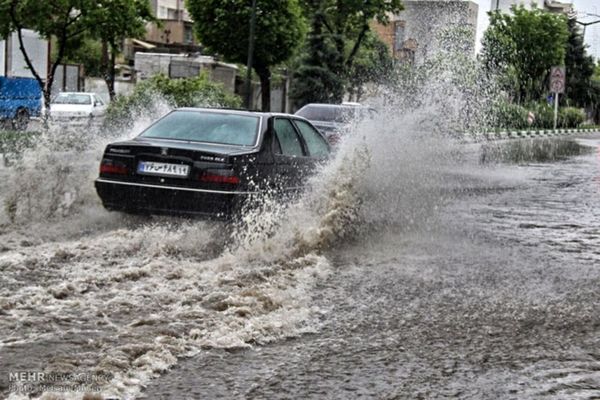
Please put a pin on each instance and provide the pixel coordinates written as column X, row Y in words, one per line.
column 250, row 56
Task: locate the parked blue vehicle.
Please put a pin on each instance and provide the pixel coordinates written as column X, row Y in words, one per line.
column 20, row 99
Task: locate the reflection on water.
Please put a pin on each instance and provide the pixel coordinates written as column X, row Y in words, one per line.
column 531, row 150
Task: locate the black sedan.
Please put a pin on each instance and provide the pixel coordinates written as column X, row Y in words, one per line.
column 208, row 161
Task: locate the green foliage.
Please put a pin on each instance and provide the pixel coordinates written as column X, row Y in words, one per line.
column 580, row 69
column 68, row 21
column 523, row 46
column 511, row 116
column 514, row 116
column 190, row 92
column 373, row 63
column 223, row 27
column 570, row 117
column 115, row 20
column 450, row 84
column 595, row 107
column 338, row 31
column 315, row 79
column 87, row 52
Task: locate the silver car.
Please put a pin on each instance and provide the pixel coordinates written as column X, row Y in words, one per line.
column 333, row 120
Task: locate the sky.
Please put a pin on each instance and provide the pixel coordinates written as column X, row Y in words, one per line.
column 592, row 34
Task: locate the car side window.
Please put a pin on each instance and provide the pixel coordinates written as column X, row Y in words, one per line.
column 287, row 137
column 317, row 146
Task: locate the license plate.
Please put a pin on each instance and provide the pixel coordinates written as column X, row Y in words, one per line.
column 163, row 169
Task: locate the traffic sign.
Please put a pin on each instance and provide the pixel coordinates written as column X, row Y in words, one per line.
column 557, row 79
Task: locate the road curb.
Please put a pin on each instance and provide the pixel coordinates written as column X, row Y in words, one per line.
column 525, row 134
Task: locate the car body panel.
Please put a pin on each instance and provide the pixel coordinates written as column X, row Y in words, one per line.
column 333, row 120
column 220, row 177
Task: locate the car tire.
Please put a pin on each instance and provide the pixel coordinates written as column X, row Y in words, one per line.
column 21, row 120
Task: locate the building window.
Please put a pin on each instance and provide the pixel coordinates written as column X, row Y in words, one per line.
column 399, row 32
column 188, row 34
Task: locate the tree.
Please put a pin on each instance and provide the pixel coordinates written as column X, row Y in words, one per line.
column 579, row 69
column 522, row 47
column 316, row 80
column 198, row 91
column 595, row 106
column 223, row 25
column 87, row 52
column 68, row 21
column 339, row 28
column 373, row 63
column 117, row 20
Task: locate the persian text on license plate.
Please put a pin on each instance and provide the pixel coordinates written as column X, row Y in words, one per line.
column 164, row 169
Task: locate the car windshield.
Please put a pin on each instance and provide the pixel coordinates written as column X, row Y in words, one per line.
column 206, row 126
column 73, row 98
column 332, row 113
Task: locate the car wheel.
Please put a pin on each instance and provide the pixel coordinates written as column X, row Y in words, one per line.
column 21, row 120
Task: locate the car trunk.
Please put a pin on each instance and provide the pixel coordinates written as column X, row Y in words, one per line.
column 169, row 163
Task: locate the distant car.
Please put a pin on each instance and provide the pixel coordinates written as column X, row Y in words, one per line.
column 208, row 161
column 333, row 119
column 76, row 108
column 20, row 99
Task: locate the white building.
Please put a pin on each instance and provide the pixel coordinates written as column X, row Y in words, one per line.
column 548, row 5
column 171, row 10
column 425, row 27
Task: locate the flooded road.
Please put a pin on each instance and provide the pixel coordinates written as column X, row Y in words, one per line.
column 497, row 297
column 481, row 283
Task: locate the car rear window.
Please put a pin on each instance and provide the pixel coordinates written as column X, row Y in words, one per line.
column 73, row 98
column 206, row 126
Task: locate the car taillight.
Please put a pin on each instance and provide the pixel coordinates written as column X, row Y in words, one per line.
column 219, row 177
column 111, row 168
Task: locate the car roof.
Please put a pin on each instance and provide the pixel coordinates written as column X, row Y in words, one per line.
column 343, row 105
column 238, row 111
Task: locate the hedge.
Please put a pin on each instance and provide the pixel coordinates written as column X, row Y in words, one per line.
column 149, row 94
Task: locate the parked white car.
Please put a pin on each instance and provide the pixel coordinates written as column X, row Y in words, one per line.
column 77, row 108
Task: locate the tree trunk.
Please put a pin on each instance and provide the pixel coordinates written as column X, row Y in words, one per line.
column 104, row 62
column 111, row 81
column 265, row 86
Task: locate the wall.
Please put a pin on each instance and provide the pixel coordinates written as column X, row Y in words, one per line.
column 13, row 62
column 420, row 27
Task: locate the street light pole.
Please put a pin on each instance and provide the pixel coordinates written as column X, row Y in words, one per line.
column 586, row 24
column 250, row 56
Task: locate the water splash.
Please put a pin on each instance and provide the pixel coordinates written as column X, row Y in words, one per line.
column 146, row 293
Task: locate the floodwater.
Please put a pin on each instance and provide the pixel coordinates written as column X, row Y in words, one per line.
column 413, row 270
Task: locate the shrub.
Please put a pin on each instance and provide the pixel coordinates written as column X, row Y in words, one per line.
column 570, row 117
column 189, row 92
column 544, row 115
column 514, row 116
column 511, row 116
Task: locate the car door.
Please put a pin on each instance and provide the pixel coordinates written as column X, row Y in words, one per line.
column 289, row 154
column 315, row 142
